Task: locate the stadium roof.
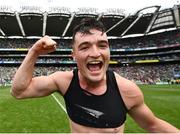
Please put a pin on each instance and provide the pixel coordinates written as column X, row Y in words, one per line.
column 31, row 22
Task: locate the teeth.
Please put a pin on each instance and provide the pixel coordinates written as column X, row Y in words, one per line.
column 94, row 65
column 94, row 62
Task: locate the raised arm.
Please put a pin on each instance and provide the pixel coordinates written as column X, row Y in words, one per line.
column 139, row 111
column 24, row 85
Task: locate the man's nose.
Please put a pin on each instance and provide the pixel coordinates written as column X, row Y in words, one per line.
column 95, row 52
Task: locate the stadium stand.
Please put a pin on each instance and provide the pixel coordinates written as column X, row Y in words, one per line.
column 139, row 51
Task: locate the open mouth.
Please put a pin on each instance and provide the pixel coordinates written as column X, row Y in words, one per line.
column 94, row 65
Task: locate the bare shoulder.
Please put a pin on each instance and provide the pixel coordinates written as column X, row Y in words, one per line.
column 62, row 80
column 130, row 92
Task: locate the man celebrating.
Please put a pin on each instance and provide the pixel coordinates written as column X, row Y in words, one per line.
column 97, row 99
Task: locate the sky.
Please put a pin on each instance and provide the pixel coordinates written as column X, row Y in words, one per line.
column 129, row 6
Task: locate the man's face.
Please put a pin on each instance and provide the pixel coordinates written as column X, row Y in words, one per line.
column 92, row 55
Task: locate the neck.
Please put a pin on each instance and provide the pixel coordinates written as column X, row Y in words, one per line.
column 91, row 85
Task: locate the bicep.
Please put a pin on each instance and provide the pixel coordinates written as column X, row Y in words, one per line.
column 39, row 87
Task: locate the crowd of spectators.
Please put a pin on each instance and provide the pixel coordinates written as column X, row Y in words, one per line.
column 148, row 74
column 141, row 74
column 7, row 73
column 156, row 40
column 131, row 59
column 70, row 59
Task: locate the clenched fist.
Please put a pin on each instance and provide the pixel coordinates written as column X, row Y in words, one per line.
column 44, row 45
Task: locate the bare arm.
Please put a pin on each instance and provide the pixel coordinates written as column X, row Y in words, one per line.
column 138, row 110
column 24, row 85
column 147, row 120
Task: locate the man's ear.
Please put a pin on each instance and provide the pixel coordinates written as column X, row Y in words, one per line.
column 73, row 55
column 74, row 59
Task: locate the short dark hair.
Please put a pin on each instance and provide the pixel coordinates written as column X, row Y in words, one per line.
column 86, row 25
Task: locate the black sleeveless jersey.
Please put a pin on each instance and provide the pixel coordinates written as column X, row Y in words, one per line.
column 100, row 111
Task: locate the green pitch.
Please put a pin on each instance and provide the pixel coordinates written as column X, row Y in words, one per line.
column 44, row 115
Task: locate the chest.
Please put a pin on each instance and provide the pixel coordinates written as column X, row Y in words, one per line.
column 105, row 110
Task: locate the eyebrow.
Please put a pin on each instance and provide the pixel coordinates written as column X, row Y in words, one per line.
column 103, row 41
column 84, row 43
column 87, row 42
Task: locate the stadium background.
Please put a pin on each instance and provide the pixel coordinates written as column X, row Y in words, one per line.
column 144, row 45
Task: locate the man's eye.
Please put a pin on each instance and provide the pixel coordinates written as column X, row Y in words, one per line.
column 103, row 46
column 83, row 48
